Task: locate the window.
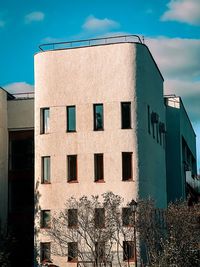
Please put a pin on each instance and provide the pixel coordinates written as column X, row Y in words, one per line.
column 99, row 217
column 71, row 118
column 100, row 251
column 126, row 166
column 72, row 217
column 126, row 115
column 72, row 167
column 72, row 251
column 98, row 117
column 45, row 219
column 44, row 114
column 127, row 217
column 128, row 250
column 98, row 167
column 45, row 170
column 45, row 251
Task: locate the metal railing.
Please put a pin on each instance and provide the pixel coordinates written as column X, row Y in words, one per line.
column 24, row 95
column 132, row 38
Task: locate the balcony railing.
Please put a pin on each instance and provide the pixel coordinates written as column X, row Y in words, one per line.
column 91, row 42
column 194, row 182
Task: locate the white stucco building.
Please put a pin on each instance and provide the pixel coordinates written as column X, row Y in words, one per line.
column 98, row 105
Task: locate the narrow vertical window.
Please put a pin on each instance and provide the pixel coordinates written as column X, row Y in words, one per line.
column 99, row 217
column 128, row 250
column 127, row 217
column 72, row 167
column 45, row 252
column 100, row 251
column 126, row 166
column 71, row 118
column 126, row 115
column 44, row 116
column 98, row 117
column 149, row 119
column 45, row 219
column 72, row 218
column 72, row 251
column 46, row 170
column 98, row 167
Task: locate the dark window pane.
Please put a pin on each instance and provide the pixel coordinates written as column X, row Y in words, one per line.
column 72, row 217
column 71, row 119
column 99, row 217
column 128, row 250
column 126, row 166
column 99, row 251
column 126, row 115
column 45, row 219
column 44, row 120
column 98, row 167
column 45, row 169
column 45, row 252
column 126, row 217
column 72, row 251
column 98, row 117
column 72, row 167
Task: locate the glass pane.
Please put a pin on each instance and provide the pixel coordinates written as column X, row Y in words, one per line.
column 72, row 172
column 72, row 217
column 126, row 115
column 71, row 119
column 98, row 117
column 46, row 219
column 126, row 165
column 45, row 120
column 46, row 169
column 98, row 164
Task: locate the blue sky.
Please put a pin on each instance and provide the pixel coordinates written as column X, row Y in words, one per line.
column 171, row 30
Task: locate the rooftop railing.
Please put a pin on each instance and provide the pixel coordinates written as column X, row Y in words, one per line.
column 24, row 95
column 91, row 42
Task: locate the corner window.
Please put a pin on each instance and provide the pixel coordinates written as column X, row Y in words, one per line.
column 45, row 170
column 128, row 250
column 45, row 252
column 127, row 217
column 71, row 119
column 72, row 251
column 72, row 167
column 126, row 115
column 99, row 217
column 98, row 167
column 45, row 219
column 44, row 117
column 72, row 217
column 126, row 166
column 98, row 117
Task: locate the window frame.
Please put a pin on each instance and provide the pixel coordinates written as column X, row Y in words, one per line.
column 68, row 118
column 99, row 217
column 71, row 218
column 72, row 179
column 124, row 166
column 43, row 128
column 127, row 246
column 43, row 251
column 95, row 124
column 43, row 224
column 43, row 180
column 71, row 258
column 98, row 169
column 123, row 120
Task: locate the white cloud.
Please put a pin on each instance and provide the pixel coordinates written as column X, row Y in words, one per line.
column 178, row 60
column 187, row 11
column 2, row 23
column 34, row 16
column 94, row 24
column 19, row 87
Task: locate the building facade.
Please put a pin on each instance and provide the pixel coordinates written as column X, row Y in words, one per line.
column 98, row 105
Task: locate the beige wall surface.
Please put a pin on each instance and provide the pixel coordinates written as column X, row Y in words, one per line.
column 3, row 159
column 20, row 114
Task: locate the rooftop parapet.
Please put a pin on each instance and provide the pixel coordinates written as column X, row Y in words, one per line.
column 91, row 42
